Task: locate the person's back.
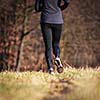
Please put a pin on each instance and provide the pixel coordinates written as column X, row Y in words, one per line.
column 51, row 12
column 51, row 6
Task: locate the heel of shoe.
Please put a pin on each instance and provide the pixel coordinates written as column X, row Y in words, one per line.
column 60, row 69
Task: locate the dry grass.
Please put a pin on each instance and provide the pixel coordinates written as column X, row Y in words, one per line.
column 72, row 84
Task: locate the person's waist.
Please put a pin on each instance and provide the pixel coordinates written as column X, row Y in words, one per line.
column 51, row 12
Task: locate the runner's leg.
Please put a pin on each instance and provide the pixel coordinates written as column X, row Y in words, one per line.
column 47, row 37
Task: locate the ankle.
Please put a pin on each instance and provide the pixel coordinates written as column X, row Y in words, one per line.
column 51, row 70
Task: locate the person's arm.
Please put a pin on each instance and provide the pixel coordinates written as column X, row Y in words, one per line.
column 65, row 5
column 38, row 5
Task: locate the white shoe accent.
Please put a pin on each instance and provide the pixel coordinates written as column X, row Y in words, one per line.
column 58, row 60
column 51, row 71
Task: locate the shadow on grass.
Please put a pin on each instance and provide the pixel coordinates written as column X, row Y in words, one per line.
column 59, row 90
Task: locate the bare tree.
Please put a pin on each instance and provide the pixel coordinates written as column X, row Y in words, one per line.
column 13, row 30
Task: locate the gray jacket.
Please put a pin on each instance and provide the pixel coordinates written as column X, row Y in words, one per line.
column 51, row 11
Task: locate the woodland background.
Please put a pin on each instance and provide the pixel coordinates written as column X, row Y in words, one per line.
column 21, row 42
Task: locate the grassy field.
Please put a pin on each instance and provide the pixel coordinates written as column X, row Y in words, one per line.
column 72, row 84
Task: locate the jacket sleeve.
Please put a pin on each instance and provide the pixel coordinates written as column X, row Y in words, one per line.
column 38, row 5
column 65, row 5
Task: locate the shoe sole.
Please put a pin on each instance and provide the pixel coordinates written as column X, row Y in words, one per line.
column 59, row 68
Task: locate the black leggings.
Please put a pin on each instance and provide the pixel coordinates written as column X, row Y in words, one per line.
column 51, row 36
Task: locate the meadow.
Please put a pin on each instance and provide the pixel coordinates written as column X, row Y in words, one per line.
column 72, row 84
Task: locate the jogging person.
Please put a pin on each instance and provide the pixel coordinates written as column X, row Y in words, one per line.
column 51, row 26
